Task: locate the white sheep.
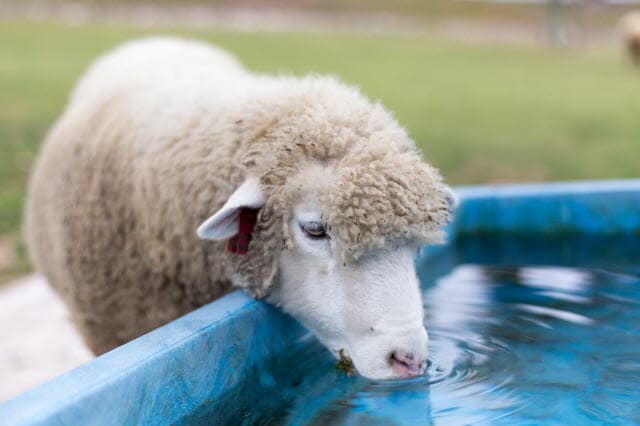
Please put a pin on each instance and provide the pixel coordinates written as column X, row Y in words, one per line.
column 320, row 195
column 631, row 33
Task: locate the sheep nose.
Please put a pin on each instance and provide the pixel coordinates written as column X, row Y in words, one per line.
column 406, row 364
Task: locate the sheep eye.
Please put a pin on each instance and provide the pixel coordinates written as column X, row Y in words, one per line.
column 314, row 230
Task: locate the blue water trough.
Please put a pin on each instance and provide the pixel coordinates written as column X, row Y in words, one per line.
column 198, row 362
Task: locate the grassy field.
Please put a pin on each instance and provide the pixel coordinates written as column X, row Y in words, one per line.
column 481, row 113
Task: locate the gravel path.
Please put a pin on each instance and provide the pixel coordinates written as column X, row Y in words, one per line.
column 37, row 340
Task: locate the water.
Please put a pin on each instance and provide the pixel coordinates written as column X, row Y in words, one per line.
column 522, row 331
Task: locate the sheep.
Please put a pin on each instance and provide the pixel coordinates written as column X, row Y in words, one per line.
column 631, row 33
column 175, row 175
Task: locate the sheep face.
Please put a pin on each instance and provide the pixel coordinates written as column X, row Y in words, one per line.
column 369, row 310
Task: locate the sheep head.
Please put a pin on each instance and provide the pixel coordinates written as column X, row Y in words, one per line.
column 345, row 202
column 343, row 264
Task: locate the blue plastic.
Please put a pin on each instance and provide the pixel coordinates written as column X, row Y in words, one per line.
column 164, row 375
column 199, row 359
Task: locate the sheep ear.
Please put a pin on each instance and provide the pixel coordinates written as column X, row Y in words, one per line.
column 226, row 222
column 452, row 198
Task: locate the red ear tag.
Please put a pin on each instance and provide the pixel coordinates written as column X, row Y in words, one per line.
column 240, row 243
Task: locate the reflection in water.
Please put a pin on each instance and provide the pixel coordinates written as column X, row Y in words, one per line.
column 459, row 316
column 521, row 331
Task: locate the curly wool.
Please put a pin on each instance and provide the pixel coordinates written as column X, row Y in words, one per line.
column 378, row 190
column 150, row 146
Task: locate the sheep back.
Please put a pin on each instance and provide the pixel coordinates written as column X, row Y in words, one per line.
column 122, row 181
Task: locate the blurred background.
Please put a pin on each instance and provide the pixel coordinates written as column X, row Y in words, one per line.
column 492, row 91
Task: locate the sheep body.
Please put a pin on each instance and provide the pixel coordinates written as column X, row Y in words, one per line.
column 631, row 33
column 157, row 136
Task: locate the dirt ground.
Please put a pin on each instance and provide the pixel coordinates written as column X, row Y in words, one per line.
column 7, row 253
column 38, row 341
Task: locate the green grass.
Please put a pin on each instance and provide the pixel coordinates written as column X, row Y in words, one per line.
column 481, row 113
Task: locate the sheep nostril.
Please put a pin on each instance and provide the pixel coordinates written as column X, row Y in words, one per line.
column 401, row 357
column 405, row 364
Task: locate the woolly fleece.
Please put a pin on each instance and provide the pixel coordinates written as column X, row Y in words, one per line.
column 631, row 32
column 157, row 136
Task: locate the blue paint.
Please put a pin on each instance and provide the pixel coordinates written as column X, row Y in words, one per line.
column 195, row 364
